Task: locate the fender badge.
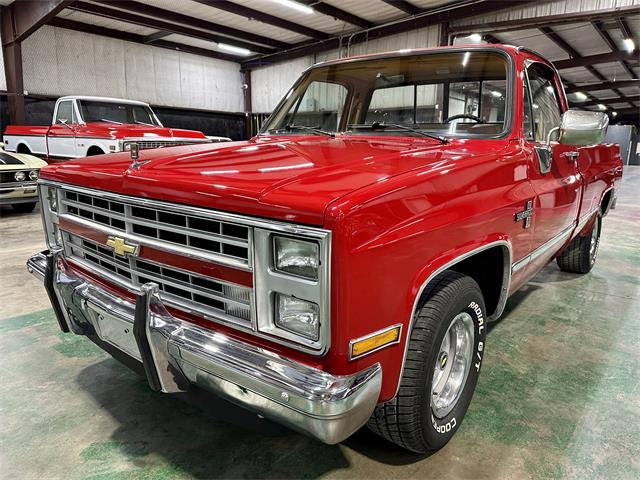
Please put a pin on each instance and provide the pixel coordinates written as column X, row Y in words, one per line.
column 526, row 214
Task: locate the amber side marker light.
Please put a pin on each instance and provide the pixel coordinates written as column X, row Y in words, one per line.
column 374, row 342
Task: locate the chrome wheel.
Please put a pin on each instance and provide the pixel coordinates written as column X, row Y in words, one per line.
column 452, row 365
column 595, row 241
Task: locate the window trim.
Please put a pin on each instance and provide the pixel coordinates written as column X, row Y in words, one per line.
column 529, row 63
column 74, row 115
column 510, row 77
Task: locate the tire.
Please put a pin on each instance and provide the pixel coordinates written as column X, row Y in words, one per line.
column 412, row 420
column 581, row 254
column 23, row 207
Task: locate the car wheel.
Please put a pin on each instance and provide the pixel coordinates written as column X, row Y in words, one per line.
column 581, row 254
column 441, row 369
column 23, row 207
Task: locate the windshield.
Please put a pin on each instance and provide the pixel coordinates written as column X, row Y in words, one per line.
column 96, row 111
column 450, row 94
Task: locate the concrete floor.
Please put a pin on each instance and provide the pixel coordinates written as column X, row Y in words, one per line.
column 559, row 395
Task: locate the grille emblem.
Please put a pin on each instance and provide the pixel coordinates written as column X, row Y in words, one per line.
column 121, row 247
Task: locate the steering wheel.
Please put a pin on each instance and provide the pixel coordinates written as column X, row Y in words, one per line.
column 463, row 115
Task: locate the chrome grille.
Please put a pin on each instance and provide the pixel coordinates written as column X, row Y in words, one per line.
column 148, row 144
column 213, row 239
column 185, row 290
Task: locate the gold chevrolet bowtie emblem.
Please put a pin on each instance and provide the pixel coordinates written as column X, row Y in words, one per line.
column 120, row 247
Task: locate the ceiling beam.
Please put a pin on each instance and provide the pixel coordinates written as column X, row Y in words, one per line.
column 148, row 22
column 547, row 20
column 259, row 16
column 603, row 86
column 624, row 27
column 135, row 38
column 612, row 45
column 23, row 17
column 605, row 101
column 404, row 5
column 337, row 13
column 449, row 12
column 595, row 59
column 173, row 17
column 156, row 36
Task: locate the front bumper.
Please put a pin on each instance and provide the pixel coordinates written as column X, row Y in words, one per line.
column 11, row 194
column 176, row 354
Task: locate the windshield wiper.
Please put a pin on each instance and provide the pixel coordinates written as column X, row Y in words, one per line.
column 143, row 123
column 291, row 127
column 110, row 121
column 383, row 126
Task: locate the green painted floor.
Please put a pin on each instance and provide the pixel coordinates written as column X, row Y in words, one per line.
column 559, row 395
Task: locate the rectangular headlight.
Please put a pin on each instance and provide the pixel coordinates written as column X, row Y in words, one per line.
column 298, row 316
column 297, row 257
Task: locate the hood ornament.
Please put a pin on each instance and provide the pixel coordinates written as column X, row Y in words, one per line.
column 134, row 150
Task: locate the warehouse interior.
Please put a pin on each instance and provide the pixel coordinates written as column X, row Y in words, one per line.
column 560, row 392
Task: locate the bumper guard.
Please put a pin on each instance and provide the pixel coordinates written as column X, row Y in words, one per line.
column 176, row 354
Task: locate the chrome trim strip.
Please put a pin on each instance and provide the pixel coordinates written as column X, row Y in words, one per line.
column 383, row 330
column 542, row 249
column 611, row 202
column 506, row 281
column 325, row 406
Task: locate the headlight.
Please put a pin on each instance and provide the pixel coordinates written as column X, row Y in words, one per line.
column 298, row 316
column 52, row 198
column 33, row 175
column 297, row 257
column 19, row 176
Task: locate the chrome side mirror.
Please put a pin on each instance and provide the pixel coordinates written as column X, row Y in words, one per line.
column 544, row 153
column 580, row 128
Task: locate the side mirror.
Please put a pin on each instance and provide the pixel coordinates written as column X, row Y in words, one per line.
column 579, row 127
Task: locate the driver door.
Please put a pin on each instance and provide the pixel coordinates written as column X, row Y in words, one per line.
column 61, row 139
column 557, row 183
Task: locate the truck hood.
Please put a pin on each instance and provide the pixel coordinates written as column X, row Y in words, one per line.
column 292, row 178
column 135, row 130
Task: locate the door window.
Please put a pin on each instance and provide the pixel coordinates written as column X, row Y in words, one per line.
column 65, row 113
column 546, row 111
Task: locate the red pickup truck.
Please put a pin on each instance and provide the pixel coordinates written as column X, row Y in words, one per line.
column 84, row 126
column 340, row 268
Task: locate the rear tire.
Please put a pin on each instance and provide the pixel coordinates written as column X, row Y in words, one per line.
column 448, row 333
column 581, row 254
column 23, row 207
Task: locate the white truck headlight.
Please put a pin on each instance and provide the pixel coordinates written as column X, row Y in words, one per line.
column 296, row 257
column 298, row 316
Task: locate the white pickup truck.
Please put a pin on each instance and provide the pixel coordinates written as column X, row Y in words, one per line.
column 84, row 126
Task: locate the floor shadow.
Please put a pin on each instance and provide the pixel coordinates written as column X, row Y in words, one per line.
column 213, row 440
column 513, row 302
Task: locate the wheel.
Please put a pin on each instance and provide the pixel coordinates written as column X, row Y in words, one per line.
column 23, row 207
column 441, row 369
column 581, row 254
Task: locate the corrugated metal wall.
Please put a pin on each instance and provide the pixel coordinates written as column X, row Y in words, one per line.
column 58, row 62
column 269, row 84
column 542, row 8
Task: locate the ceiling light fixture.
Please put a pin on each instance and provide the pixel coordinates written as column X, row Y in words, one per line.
column 580, row 96
column 615, row 114
column 496, row 93
column 601, row 106
column 297, row 6
column 475, row 37
column 232, row 49
column 629, row 45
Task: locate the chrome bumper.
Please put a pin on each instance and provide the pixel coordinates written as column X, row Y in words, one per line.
column 176, row 354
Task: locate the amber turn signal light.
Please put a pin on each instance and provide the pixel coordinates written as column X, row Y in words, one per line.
column 374, row 342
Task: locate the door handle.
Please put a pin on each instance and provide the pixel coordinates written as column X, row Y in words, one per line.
column 571, row 156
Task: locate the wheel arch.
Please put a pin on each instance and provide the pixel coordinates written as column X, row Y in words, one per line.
column 23, row 147
column 463, row 262
column 607, row 200
column 95, row 150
